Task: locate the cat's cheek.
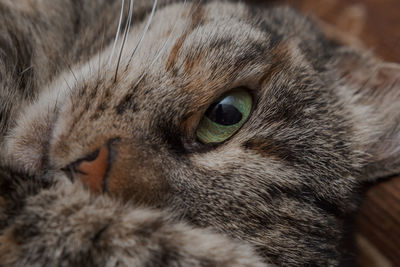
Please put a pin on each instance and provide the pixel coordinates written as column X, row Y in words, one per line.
column 28, row 142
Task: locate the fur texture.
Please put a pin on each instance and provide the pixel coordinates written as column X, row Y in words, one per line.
column 283, row 187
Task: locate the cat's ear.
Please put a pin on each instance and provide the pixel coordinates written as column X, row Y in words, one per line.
column 373, row 89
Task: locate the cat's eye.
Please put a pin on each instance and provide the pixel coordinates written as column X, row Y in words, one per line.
column 225, row 116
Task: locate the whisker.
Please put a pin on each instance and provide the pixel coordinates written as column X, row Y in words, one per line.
column 101, row 52
column 69, row 86
column 73, row 174
column 73, row 74
column 126, row 33
column 117, row 34
column 163, row 47
column 27, row 69
column 55, row 108
column 146, row 28
column 90, row 67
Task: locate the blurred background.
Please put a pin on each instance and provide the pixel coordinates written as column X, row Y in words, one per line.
column 374, row 25
column 375, row 22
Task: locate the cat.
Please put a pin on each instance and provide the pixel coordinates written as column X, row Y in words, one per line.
column 194, row 133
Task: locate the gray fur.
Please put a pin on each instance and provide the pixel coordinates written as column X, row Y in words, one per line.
column 284, row 187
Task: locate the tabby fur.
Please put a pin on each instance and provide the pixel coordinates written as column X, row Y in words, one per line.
column 283, row 190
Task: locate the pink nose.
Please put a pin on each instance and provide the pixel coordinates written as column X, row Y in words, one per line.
column 93, row 172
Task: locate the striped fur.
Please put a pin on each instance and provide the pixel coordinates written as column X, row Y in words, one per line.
column 282, row 190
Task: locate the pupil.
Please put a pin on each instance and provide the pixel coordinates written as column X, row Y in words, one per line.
column 224, row 113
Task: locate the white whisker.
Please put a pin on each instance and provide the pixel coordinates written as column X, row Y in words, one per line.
column 163, row 47
column 69, row 86
column 27, row 69
column 117, row 34
column 73, row 74
column 146, row 28
column 125, row 38
column 100, row 54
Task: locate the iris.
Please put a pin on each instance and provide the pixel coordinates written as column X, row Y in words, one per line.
column 225, row 116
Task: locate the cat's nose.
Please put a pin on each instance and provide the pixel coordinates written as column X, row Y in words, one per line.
column 92, row 170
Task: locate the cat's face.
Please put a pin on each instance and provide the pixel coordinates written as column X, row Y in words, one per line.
column 283, row 179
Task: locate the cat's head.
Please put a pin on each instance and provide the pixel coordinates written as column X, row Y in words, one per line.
column 246, row 120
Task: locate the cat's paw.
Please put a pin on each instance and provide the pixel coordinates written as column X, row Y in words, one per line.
column 67, row 225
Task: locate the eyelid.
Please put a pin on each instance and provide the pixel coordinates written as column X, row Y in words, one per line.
column 190, row 124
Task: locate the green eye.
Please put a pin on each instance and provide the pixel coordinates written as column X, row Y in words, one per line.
column 224, row 117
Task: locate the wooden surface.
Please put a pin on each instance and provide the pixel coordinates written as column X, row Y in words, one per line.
column 377, row 24
column 379, row 223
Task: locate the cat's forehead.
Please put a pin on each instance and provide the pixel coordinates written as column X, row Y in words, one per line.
column 199, row 51
column 196, row 38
